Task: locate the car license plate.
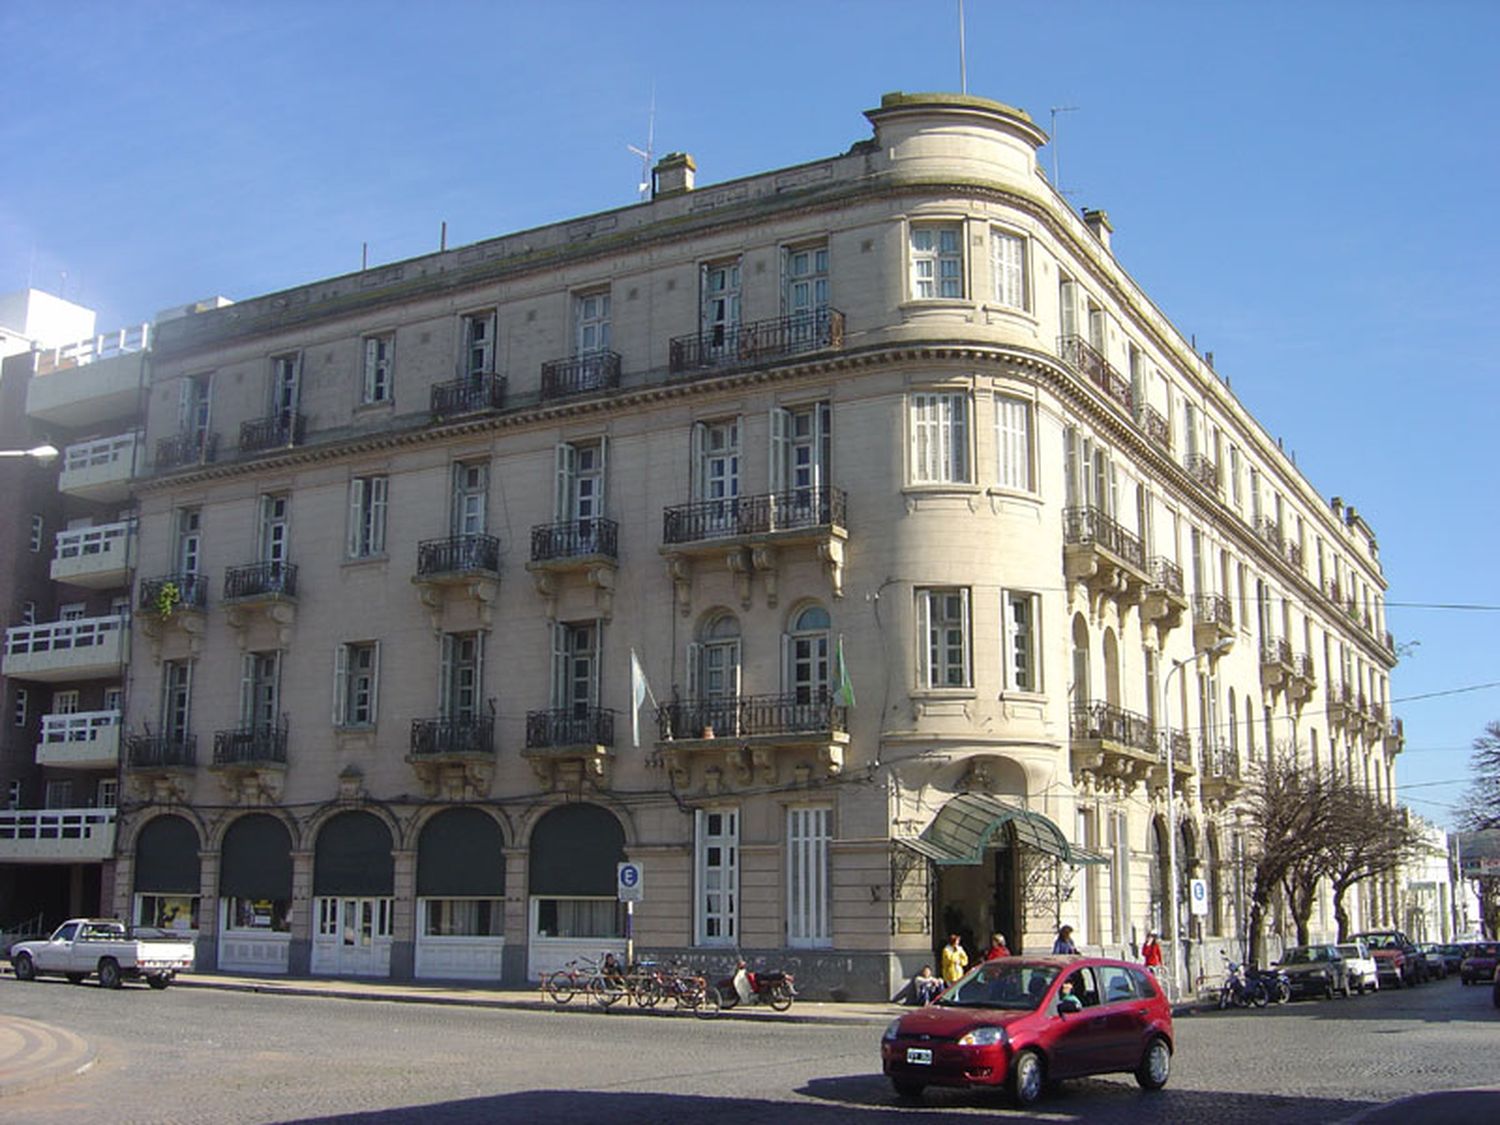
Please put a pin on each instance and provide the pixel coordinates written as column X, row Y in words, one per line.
column 921, row 1056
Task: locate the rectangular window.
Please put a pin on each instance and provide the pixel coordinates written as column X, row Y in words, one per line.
column 72, row 611
column 13, row 794
column 1021, row 641
column 65, row 702
column 471, row 489
column 1013, row 443
column 937, row 261
column 1008, row 265
column 944, row 631
column 1236, row 487
column 575, row 668
column 176, row 694
column 107, row 793
column 720, row 295
column 380, row 354
column 260, row 690
column 805, row 280
column 275, row 528
column 808, row 907
column 478, row 345
column 578, row 490
column 38, row 525
column 939, row 438
column 367, row 504
column 591, row 323
column 59, row 795
column 193, row 404
column 718, row 863
column 28, row 612
column 356, row 677
column 189, row 540
column 716, row 474
column 458, row 687
column 286, row 385
column 20, row 712
column 462, row 917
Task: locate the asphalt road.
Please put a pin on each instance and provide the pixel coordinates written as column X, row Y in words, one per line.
column 203, row 1055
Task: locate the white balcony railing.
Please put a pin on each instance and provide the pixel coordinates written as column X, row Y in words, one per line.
column 57, row 835
column 99, row 470
column 83, row 648
column 94, row 556
column 89, row 456
column 82, row 740
column 133, row 339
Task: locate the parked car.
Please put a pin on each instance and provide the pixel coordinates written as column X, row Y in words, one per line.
column 82, row 947
column 1453, row 956
column 1021, row 1022
column 1432, row 954
column 1395, row 956
column 1361, row 965
column 1495, row 988
column 1478, row 964
column 1316, row 970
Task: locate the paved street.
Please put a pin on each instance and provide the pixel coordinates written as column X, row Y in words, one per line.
column 204, row 1055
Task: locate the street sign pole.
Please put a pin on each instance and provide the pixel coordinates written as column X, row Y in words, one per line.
column 629, row 889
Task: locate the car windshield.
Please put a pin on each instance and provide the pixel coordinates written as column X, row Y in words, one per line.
column 1483, row 949
column 1014, row 986
column 1299, row 955
column 1350, row 951
column 1380, row 941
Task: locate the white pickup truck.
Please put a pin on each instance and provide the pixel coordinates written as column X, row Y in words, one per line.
column 81, row 947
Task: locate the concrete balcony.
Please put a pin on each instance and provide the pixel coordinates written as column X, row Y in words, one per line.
column 57, row 835
column 1221, row 781
column 1275, row 662
column 458, row 581
column 97, row 558
column 566, row 745
column 1112, row 747
column 100, row 470
column 588, row 548
column 1109, row 560
column 453, row 756
column 87, row 648
column 750, row 738
column 91, row 381
column 1213, row 621
column 84, row 740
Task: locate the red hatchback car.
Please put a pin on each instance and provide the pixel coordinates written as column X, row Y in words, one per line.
column 1024, row 1021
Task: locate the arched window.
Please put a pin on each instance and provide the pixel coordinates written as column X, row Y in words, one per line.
column 714, row 675
column 806, row 655
column 1111, row 669
column 1234, row 729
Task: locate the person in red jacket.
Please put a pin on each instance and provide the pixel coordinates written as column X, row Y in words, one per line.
column 998, row 948
column 1151, row 952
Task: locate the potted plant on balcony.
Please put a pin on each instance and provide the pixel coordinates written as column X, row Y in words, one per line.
column 168, row 598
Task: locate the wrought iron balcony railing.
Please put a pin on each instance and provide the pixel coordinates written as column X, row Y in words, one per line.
column 273, row 432
column 1181, row 747
column 1081, row 356
column 166, row 595
column 754, row 515
column 575, row 539
column 469, row 395
column 580, row 374
column 260, row 580
column 160, row 751
column 747, row 716
column 570, row 726
column 1219, row 762
column 253, row 745
column 1213, row 609
column 1304, row 667
column 186, row 449
column 457, row 554
column 1165, row 575
column 1203, row 471
column 1270, row 534
column 1276, row 651
column 467, row 736
column 1105, row 721
column 1092, row 526
column 1155, row 425
column 737, row 345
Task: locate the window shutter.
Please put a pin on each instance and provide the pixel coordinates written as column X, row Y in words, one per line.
column 925, row 666
column 822, row 441
column 968, row 677
column 1070, row 466
column 699, row 450
column 445, row 676
column 563, row 492
column 694, row 668
column 340, row 684
column 559, row 665
column 599, row 503
column 185, row 406
column 597, row 666
column 374, row 681
column 958, row 405
column 788, row 666
column 786, row 282
column 378, row 486
column 247, row 689
column 916, row 412
column 781, row 422
column 1068, row 308
column 705, row 318
column 372, row 366
column 356, row 541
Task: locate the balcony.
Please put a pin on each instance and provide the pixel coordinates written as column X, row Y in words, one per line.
column 740, row 739
column 1375, row 724
column 727, row 347
column 1275, row 662
column 89, row 382
column 251, row 760
column 1304, row 678
column 473, row 394
column 1089, row 364
column 580, row 375
column 587, row 547
column 100, row 470
column 1395, row 736
column 86, row 648
column 83, row 740
column 1112, row 747
column 1269, row 533
column 454, row 757
column 749, row 532
column 1155, row 425
column 1103, row 555
column 1221, row 781
column 564, row 746
column 1213, row 621
column 1204, row 472
column 96, row 558
column 281, row 430
column 171, row 610
column 184, row 449
column 264, row 592
column 1340, row 703
column 161, row 765
column 1181, row 747
column 458, row 577
column 57, row 835
column 1165, row 600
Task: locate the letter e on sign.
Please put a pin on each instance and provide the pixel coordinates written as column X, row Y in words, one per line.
column 1198, row 896
column 630, row 885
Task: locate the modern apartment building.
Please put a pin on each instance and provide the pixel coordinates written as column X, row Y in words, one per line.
column 951, row 567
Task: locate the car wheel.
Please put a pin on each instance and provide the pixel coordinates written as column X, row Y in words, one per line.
column 908, row 1087
column 1156, row 1065
column 25, row 969
column 109, row 973
column 1026, row 1078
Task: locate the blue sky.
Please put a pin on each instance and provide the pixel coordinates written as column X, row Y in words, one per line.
column 1305, row 187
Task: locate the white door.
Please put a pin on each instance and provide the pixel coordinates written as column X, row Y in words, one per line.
column 353, row 937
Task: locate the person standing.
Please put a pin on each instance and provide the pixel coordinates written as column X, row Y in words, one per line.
column 1151, row 953
column 1064, row 943
column 955, row 959
column 998, row 948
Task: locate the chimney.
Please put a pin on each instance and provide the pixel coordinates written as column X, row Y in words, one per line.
column 1098, row 223
column 672, row 175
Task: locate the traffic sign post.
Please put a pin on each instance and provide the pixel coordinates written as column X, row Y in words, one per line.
column 1198, row 897
column 630, row 888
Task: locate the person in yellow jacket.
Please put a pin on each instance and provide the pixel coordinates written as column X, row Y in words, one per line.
column 955, row 960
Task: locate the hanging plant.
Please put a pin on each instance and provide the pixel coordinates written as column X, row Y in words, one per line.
column 168, row 598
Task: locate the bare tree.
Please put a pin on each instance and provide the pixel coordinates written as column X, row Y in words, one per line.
column 1364, row 839
column 1482, row 803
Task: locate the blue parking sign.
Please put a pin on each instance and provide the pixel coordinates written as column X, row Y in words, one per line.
column 629, row 882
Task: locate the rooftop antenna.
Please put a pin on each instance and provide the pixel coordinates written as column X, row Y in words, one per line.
column 963, row 62
column 646, row 154
column 1056, row 176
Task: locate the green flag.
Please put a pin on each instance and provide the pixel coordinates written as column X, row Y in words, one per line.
column 846, row 685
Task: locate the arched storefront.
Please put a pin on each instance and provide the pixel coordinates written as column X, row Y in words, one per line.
column 167, row 874
column 354, row 886
column 460, row 896
column 574, row 910
column 255, row 895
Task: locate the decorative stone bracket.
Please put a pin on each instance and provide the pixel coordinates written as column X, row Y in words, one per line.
column 600, row 574
column 480, row 590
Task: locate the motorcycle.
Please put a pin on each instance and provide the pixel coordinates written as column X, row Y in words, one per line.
column 772, row 987
column 1239, row 990
column 1275, row 982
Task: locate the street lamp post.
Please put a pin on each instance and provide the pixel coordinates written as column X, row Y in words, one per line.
column 42, row 453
